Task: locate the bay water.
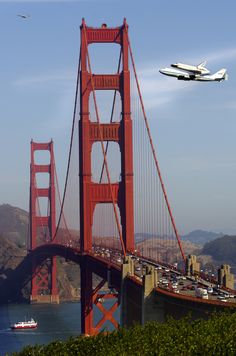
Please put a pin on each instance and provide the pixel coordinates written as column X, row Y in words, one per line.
column 55, row 322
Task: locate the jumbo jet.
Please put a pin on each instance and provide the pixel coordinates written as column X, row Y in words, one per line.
column 189, row 75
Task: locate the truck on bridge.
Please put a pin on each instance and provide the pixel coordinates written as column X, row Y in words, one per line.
column 201, row 293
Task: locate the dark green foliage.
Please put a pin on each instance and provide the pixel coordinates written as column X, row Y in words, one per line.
column 212, row 337
column 222, row 249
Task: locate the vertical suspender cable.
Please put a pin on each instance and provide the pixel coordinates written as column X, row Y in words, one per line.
column 111, row 119
column 153, row 150
column 60, row 201
column 70, row 149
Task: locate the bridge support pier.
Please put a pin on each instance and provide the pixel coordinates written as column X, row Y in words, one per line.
column 191, row 265
column 131, row 297
column 86, row 298
column 149, row 306
column 225, row 278
column 41, row 299
column 137, row 299
column 95, row 295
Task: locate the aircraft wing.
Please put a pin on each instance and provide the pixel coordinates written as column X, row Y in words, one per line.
column 177, row 73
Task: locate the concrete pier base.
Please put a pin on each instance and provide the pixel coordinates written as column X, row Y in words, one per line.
column 131, row 296
column 225, row 278
column 138, row 303
column 152, row 310
column 44, row 299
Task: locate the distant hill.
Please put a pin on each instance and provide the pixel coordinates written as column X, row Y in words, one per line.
column 222, row 249
column 201, row 237
column 14, row 224
column 197, row 237
column 140, row 236
column 13, row 248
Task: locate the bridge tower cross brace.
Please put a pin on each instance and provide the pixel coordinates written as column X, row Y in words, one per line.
column 94, row 193
column 43, row 282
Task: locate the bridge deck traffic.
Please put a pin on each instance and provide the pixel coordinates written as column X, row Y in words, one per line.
column 173, row 281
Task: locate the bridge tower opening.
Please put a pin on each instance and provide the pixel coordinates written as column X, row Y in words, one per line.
column 118, row 193
column 42, row 227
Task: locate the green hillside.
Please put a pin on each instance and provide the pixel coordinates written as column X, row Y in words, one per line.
column 222, row 250
column 13, row 248
column 14, row 224
column 201, row 237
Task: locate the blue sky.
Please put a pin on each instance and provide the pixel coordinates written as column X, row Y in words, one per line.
column 193, row 124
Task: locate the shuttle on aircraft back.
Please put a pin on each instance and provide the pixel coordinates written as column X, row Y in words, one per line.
column 199, row 69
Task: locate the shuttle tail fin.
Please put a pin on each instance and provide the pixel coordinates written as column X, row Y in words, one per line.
column 202, row 65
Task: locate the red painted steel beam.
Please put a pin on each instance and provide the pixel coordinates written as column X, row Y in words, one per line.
column 41, row 168
column 43, row 192
column 110, row 132
column 107, row 314
column 100, row 192
column 104, row 35
column 36, row 146
column 40, row 221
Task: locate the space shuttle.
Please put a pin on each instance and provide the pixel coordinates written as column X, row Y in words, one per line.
column 199, row 69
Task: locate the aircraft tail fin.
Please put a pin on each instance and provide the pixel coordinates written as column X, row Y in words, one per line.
column 202, row 65
column 221, row 74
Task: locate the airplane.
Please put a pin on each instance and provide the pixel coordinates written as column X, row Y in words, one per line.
column 189, row 75
column 199, row 69
column 23, row 16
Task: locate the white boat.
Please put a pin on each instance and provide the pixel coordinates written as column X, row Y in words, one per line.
column 30, row 324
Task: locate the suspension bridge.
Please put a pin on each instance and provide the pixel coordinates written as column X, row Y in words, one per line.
column 114, row 218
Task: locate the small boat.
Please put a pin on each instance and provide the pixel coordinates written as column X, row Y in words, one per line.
column 30, row 324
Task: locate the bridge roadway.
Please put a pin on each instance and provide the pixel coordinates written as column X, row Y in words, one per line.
column 152, row 291
column 147, row 290
column 169, row 278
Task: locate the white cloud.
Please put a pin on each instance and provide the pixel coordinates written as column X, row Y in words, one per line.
column 224, row 54
column 157, row 89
